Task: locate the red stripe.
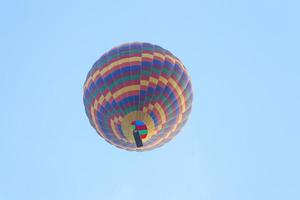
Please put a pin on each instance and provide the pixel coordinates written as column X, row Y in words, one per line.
column 141, row 127
column 143, row 136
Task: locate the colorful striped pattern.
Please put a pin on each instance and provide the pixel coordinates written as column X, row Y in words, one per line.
column 138, row 82
column 141, row 127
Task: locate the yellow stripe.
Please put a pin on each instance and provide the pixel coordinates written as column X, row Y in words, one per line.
column 144, row 83
column 153, row 80
column 161, row 113
column 147, row 55
column 98, row 102
column 176, row 125
column 179, row 92
column 101, row 99
column 93, row 118
column 108, row 96
column 145, row 109
column 125, row 89
column 162, row 79
column 119, row 62
column 96, row 73
column 112, row 125
column 175, row 60
column 171, row 58
column 162, row 56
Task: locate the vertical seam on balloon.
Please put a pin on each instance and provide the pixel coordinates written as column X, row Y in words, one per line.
column 146, row 94
column 161, row 66
column 172, row 71
column 164, row 63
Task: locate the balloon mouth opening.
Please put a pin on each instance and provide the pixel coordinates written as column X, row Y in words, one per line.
column 141, row 127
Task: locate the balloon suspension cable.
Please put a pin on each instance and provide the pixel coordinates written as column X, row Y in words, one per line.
column 137, row 138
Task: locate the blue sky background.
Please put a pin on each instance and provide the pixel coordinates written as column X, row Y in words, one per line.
column 242, row 141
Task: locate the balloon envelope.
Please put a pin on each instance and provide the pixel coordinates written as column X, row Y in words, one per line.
column 138, row 96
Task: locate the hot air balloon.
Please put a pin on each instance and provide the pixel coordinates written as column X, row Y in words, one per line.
column 138, row 96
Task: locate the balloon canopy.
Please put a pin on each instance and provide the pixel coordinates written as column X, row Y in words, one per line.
column 138, row 96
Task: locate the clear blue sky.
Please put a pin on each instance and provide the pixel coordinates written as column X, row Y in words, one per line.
column 242, row 141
